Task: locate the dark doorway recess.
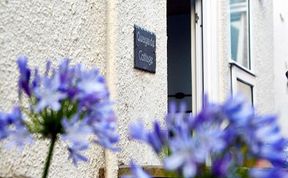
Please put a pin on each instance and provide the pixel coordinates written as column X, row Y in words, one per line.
column 175, row 7
column 179, row 52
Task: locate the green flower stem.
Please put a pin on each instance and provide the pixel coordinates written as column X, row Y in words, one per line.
column 49, row 156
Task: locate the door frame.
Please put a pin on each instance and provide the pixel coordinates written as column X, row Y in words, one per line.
column 204, row 52
column 210, row 49
column 196, row 55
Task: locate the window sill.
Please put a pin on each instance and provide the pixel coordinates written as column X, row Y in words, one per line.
column 248, row 71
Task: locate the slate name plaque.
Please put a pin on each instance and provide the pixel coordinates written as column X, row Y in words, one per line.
column 144, row 50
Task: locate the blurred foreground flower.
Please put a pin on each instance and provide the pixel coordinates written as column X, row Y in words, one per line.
column 217, row 142
column 137, row 172
column 68, row 102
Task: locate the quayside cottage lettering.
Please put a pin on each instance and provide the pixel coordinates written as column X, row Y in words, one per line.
column 145, row 58
column 145, row 40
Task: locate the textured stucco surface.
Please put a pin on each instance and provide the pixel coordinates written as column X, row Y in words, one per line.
column 280, row 43
column 48, row 29
column 141, row 95
column 223, row 48
column 262, row 54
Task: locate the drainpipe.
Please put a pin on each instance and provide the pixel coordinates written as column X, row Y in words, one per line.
column 111, row 166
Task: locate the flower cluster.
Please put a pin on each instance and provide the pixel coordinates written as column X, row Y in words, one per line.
column 12, row 125
column 216, row 141
column 68, row 102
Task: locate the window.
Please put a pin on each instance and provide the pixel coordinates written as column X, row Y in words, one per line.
column 246, row 90
column 240, row 33
column 242, row 77
column 243, row 82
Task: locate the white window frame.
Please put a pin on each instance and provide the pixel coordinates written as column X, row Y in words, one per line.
column 211, row 77
column 241, row 7
column 196, row 55
column 205, row 63
column 239, row 73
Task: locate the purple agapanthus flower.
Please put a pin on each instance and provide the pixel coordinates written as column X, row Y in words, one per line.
column 92, row 88
column 24, row 78
column 3, row 126
column 68, row 102
column 190, row 140
column 157, row 138
column 261, row 133
column 19, row 137
column 49, row 95
column 136, row 172
column 268, row 173
column 12, row 126
column 188, row 152
column 220, row 166
column 228, row 134
column 105, row 134
column 76, row 130
column 76, row 135
column 185, row 155
column 268, row 142
column 74, row 152
column 237, row 111
column 137, row 131
column 36, row 82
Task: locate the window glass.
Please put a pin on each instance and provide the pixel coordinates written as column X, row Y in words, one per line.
column 239, row 28
column 237, row 1
column 246, row 90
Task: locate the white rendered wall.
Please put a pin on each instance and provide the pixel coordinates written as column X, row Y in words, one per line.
column 261, row 15
column 48, row 30
column 140, row 95
column 280, row 14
